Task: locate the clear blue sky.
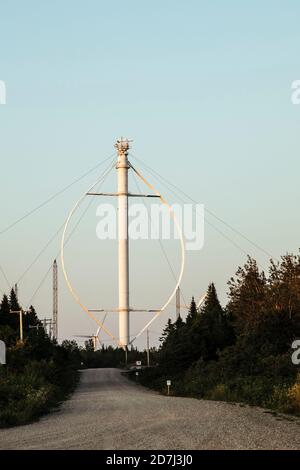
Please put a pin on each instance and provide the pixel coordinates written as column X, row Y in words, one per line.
column 202, row 87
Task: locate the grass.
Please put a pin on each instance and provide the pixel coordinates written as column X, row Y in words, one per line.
column 277, row 396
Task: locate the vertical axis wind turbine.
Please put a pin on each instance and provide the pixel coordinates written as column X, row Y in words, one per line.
column 122, row 166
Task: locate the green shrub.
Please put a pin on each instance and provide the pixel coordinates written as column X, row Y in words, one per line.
column 26, row 395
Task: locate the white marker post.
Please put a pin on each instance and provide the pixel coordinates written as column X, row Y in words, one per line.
column 2, row 353
column 168, row 385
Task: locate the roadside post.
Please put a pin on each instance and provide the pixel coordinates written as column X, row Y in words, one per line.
column 136, row 376
column 2, row 353
column 168, row 385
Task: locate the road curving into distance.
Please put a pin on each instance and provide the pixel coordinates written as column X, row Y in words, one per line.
column 109, row 412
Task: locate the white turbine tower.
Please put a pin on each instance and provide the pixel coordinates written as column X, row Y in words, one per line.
column 122, row 166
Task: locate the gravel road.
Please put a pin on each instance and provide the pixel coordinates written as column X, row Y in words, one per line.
column 109, row 412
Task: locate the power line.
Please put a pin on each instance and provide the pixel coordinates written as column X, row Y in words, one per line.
column 39, row 286
column 208, row 222
column 160, row 242
column 162, row 178
column 236, row 245
column 5, row 277
column 99, row 182
column 58, row 193
column 40, row 253
column 44, row 249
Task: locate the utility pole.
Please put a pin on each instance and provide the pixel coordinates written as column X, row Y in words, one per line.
column 148, row 350
column 177, row 303
column 122, row 167
column 55, row 302
column 20, row 313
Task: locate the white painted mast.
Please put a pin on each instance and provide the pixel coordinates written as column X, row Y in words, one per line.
column 122, row 167
column 55, row 301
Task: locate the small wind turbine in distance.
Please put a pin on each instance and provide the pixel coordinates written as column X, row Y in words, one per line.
column 94, row 338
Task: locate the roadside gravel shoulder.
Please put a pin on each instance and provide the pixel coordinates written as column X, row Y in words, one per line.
column 107, row 411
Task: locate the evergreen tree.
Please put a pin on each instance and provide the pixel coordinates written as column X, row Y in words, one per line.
column 192, row 314
column 284, row 285
column 172, row 353
column 179, row 323
column 13, row 301
column 31, row 320
column 213, row 328
column 5, row 315
column 211, row 304
column 8, row 323
column 168, row 330
column 14, row 317
column 247, row 296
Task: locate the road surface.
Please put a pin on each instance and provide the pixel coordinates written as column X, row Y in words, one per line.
column 109, row 412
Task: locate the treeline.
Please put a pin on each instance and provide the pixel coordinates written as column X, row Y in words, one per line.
column 105, row 356
column 240, row 353
column 39, row 373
